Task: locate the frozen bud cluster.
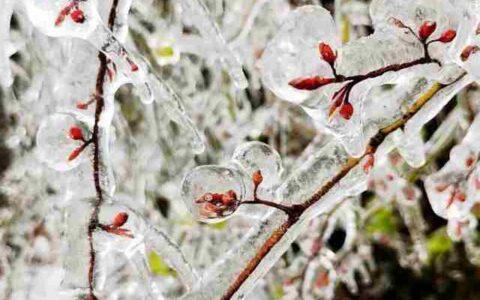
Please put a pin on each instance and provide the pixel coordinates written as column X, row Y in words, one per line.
column 455, row 188
column 213, row 193
column 61, row 141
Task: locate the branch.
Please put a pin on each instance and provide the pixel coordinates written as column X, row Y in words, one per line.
column 351, row 163
column 99, row 106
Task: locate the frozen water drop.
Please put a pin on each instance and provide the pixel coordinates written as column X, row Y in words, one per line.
column 213, row 193
column 256, row 156
column 56, row 143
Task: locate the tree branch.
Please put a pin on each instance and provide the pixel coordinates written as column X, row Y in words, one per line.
column 99, row 106
column 351, row 163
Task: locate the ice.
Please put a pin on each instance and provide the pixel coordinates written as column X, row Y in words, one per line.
column 453, row 190
column 55, row 145
column 196, row 13
column 6, row 79
column 213, row 193
column 293, row 52
column 256, row 156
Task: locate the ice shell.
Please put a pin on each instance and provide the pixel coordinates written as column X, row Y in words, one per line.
column 213, row 180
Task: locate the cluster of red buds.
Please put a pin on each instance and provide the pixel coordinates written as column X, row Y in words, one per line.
column 426, row 30
column 76, row 134
column 73, row 10
column 340, row 98
column 214, row 205
column 116, row 226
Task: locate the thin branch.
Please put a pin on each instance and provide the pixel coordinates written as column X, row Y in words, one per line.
column 99, row 106
column 351, row 163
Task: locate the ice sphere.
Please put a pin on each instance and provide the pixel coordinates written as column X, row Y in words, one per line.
column 293, row 52
column 213, row 193
column 257, row 156
column 57, row 18
column 55, row 144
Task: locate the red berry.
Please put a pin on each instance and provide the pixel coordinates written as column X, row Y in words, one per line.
column 75, row 133
column 327, row 53
column 426, row 30
column 447, row 36
column 120, row 219
column 310, row 83
column 469, row 50
column 346, row 111
column 77, row 16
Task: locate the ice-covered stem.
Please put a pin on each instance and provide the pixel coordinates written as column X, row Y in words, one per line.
column 257, row 178
column 351, row 163
column 99, row 106
column 341, row 98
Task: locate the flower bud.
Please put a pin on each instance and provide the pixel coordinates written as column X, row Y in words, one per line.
column 120, row 219
column 346, row 111
column 310, row 83
column 77, row 16
column 426, row 30
column 327, row 53
column 257, row 178
column 447, row 36
column 75, row 133
column 469, row 50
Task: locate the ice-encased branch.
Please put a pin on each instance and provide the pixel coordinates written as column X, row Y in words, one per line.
column 265, row 243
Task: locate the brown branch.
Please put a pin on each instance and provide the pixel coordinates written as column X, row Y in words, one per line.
column 99, row 106
column 351, row 163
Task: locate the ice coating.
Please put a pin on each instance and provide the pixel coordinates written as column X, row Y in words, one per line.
column 6, row 47
column 212, row 193
column 55, row 143
column 453, row 190
column 197, row 13
column 293, row 52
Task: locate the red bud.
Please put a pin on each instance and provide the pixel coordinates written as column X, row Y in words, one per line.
column 82, row 105
column 460, row 196
column 229, row 198
column 327, row 53
column 120, row 219
column 257, row 178
column 469, row 50
column 75, row 133
column 75, row 153
column 369, row 163
column 310, row 83
column 322, row 280
column 426, row 30
column 346, row 111
column 133, row 66
column 447, row 36
column 77, row 16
